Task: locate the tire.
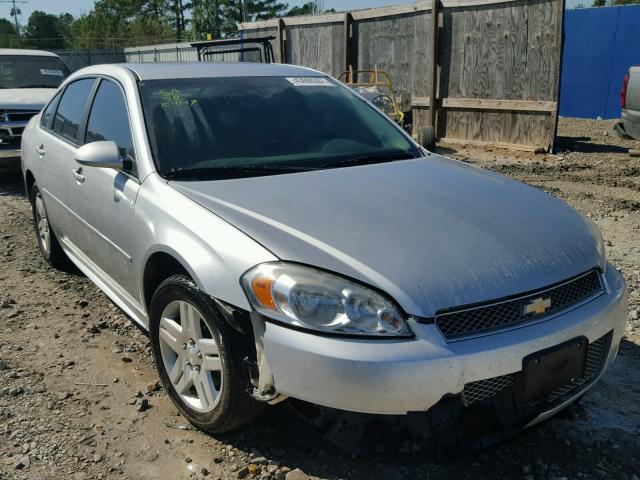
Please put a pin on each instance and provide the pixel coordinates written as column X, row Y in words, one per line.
column 47, row 242
column 427, row 138
column 199, row 358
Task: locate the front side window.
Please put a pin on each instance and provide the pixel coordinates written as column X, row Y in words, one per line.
column 109, row 120
column 71, row 108
column 244, row 126
column 31, row 71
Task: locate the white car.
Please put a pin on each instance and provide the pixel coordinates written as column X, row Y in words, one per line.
column 28, row 80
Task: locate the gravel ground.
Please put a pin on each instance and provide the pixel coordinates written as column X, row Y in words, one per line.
column 79, row 398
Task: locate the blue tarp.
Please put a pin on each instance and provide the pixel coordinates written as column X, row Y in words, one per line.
column 600, row 45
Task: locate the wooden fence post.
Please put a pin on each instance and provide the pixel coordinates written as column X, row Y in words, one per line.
column 559, row 41
column 433, row 69
column 282, row 58
column 347, row 22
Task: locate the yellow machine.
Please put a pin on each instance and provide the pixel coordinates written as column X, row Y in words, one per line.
column 377, row 87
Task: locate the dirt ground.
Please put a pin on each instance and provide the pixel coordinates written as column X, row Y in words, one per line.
column 72, row 366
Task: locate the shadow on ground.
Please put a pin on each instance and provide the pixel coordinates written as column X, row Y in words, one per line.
column 585, row 145
column 383, row 447
column 11, row 184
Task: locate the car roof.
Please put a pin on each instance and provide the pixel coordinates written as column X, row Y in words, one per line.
column 26, row 52
column 159, row 71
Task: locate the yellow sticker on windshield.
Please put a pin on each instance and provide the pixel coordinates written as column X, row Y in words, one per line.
column 174, row 99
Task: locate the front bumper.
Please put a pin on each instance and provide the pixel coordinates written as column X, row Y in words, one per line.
column 10, row 160
column 401, row 376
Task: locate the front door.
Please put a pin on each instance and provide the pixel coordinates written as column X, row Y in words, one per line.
column 107, row 196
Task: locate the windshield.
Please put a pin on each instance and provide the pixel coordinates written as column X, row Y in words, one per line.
column 247, row 126
column 22, row 71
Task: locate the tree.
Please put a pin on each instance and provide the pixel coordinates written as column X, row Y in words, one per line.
column 42, row 31
column 119, row 23
column 178, row 20
column 308, row 8
column 238, row 11
column 208, row 17
column 65, row 23
column 8, row 37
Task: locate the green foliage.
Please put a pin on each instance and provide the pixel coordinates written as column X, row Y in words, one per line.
column 253, row 10
column 8, row 37
column 308, row 8
column 208, row 17
column 121, row 23
column 43, row 31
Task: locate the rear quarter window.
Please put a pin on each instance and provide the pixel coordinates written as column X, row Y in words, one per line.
column 46, row 120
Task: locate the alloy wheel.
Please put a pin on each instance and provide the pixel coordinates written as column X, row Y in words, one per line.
column 190, row 355
column 42, row 222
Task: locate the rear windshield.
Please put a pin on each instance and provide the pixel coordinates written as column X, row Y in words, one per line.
column 22, row 71
column 263, row 125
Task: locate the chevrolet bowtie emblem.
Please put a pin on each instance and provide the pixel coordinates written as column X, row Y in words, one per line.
column 537, row 306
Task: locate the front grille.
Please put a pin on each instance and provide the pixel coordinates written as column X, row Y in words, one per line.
column 477, row 391
column 510, row 313
column 19, row 115
column 596, row 357
column 12, row 126
column 597, row 352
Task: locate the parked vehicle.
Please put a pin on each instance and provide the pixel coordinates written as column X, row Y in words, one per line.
column 629, row 126
column 281, row 237
column 28, row 79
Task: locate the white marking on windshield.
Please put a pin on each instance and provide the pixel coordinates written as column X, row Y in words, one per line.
column 310, row 82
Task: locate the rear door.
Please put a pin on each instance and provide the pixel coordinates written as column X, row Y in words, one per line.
column 107, row 196
column 57, row 141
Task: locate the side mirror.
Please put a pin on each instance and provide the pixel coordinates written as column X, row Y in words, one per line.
column 100, row 155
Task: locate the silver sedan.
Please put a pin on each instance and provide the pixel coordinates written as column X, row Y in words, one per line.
column 280, row 237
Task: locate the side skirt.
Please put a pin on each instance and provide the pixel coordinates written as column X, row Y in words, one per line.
column 105, row 283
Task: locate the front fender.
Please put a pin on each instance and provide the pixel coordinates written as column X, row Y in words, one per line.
column 214, row 252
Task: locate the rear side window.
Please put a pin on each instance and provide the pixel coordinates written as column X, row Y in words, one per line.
column 71, row 109
column 47, row 115
column 109, row 120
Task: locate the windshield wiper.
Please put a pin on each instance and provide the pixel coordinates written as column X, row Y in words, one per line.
column 232, row 171
column 370, row 159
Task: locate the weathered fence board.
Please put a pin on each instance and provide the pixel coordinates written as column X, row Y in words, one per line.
column 497, row 61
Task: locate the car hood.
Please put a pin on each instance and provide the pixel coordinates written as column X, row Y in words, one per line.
column 25, row 98
column 433, row 233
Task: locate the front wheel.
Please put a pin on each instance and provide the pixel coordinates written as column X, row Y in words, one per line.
column 199, row 358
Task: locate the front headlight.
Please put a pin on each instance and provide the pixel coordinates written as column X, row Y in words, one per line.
column 309, row 298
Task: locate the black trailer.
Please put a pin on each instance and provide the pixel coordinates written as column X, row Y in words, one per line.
column 258, row 49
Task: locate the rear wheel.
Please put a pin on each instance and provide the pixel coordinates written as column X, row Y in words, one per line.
column 47, row 241
column 199, row 358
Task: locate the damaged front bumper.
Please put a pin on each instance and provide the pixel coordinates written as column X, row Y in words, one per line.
column 402, row 376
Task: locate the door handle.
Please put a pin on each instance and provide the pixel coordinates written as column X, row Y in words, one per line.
column 78, row 175
column 41, row 151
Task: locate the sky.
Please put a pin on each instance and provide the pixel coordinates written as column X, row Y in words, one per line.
column 76, row 7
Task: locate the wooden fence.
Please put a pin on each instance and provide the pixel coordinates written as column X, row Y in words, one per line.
column 497, row 73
